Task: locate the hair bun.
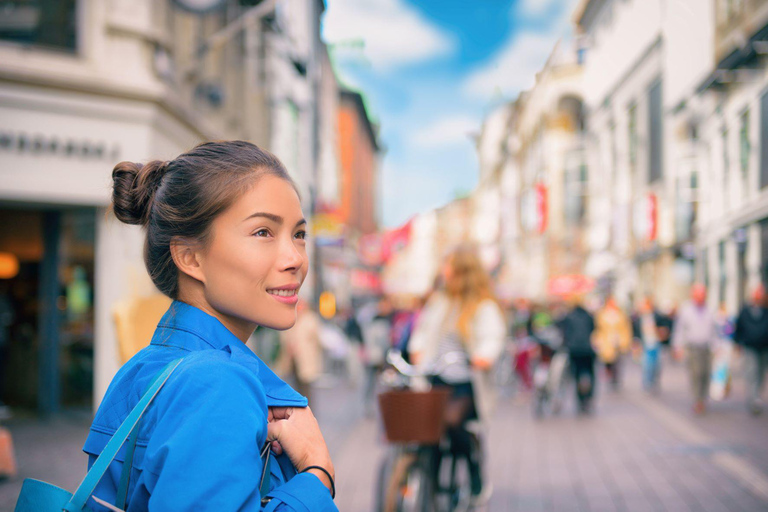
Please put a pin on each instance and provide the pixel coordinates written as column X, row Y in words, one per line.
column 133, row 189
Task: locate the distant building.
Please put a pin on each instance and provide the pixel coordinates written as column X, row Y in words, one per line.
column 358, row 152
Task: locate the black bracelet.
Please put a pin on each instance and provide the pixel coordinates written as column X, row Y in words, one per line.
column 330, row 478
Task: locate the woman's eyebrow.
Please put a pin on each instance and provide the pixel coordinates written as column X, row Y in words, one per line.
column 271, row 216
column 274, row 218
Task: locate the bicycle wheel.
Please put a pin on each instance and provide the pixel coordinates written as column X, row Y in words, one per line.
column 383, row 478
column 416, row 492
column 457, row 488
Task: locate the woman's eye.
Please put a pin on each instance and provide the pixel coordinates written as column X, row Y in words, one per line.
column 301, row 235
column 262, row 233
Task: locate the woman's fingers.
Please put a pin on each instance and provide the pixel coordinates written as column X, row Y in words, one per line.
column 275, row 430
column 279, row 413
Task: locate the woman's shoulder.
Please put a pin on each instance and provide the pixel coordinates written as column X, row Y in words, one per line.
column 489, row 307
column 489, row 313
column 199, row 376
column 214, row 370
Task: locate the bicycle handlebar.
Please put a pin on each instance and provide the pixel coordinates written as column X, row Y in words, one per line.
column 395, row 358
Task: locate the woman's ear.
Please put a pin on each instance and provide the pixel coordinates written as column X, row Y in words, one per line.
column 187, row 258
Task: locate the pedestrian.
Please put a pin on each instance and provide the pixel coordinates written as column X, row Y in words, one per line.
column 613, row 338
column 377, row 340
column 751, row 335
column 301, row 354
column 646, row 330
column 696, row 332
column 224, row 240
column 465, row 321
column 577, row 327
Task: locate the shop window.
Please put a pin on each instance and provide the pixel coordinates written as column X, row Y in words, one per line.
column 48, row 23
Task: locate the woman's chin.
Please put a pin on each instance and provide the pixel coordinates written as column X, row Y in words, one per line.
column 281, row 322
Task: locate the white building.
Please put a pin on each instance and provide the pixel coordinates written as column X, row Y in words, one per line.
column 628, row 92
column 91, row 83
column 732, row 113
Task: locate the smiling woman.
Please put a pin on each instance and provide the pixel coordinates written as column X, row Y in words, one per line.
column 226, row 241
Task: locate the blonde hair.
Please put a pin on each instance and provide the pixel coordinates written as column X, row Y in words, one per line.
column 468, row 284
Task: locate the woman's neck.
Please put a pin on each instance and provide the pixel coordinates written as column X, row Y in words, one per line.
column 242, row 329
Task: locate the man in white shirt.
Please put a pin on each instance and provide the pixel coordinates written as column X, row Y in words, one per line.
column 696, row 331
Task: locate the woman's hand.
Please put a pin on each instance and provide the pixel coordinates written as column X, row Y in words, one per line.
column 297, row 433
column 481, row 363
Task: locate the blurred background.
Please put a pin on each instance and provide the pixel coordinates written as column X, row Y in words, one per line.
column 584, row 148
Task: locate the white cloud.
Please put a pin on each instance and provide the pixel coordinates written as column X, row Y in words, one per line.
column 513, row 69
column 393, row 32
column 515, row 65
column 535, row 8
column 448, row 131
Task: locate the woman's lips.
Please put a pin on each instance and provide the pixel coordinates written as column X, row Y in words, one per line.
column 286, row 296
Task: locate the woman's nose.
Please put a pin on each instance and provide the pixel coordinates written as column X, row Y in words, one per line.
column 292, row 257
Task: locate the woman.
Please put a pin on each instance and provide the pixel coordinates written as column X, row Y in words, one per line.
column 463, row 319
column 225, row 240
column 613, row 338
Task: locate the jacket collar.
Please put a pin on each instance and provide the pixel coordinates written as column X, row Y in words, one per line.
column 205, row 332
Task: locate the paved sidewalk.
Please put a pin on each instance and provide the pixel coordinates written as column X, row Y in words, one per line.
column 636, row 452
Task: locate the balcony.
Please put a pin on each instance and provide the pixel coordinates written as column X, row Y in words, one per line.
column 736, row 21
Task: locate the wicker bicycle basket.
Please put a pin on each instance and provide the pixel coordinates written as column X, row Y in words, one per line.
column 413, row 416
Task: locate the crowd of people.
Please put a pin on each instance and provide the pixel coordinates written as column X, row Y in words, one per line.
column 710, row 342
column 462, row 316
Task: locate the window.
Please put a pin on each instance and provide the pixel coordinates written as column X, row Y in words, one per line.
column 50, row 23
column 576, row 190
column 632, row 133
column 726, row 165
column 655, row 140
column 763, row 135
column 745, row 148
column 723, row 272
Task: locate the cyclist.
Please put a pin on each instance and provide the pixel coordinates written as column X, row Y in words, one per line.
column 463, row 317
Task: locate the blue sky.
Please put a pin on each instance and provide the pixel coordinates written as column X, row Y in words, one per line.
column 430, row 71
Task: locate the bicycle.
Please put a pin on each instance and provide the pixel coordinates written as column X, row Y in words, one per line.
column 420, row 473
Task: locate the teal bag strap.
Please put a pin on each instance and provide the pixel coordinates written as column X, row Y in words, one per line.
column 125, row 474
column 265, row 473
column 84, row 491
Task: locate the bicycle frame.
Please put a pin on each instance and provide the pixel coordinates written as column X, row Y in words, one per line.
column 410, row 474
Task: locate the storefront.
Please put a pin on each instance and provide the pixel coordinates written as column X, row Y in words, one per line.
column 64, row 261
column 46, row 306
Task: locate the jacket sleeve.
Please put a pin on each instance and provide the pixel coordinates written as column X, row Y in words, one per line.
column 204, row 451
column 489, row 331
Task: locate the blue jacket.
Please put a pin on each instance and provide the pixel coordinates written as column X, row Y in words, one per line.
column 199, row 441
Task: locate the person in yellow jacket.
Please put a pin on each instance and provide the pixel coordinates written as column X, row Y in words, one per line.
column 612, row 338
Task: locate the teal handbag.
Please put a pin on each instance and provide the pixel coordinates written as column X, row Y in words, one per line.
column 37, row 496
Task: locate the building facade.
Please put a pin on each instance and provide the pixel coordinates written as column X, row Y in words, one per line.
column 85, row 84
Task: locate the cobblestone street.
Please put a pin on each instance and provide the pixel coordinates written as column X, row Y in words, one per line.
column 635, row 452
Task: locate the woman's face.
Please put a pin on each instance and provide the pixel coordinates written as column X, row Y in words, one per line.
column 256, row 259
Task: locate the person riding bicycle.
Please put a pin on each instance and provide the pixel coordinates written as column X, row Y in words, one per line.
column 463, row 318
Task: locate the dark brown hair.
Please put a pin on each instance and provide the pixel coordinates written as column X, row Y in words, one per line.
column 180, row 198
